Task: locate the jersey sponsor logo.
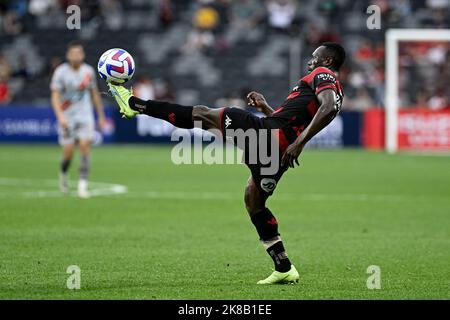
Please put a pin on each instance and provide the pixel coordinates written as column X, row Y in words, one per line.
column 268, row 184
column 227, row 121
column 325, row 77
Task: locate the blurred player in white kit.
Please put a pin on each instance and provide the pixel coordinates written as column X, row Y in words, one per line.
column 73, row 93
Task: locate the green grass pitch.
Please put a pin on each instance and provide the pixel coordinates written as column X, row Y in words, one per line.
column 181, row 232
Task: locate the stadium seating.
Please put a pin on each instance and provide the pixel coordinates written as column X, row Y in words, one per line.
column 260, row 62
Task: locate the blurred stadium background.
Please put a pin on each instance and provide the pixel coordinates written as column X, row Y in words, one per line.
column 368, row 207
column 214, row 52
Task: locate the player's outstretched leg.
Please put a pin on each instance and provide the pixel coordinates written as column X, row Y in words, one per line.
column 267, row 227
column 178, row 115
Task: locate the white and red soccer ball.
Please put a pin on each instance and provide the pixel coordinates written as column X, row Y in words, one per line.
column 116, row 66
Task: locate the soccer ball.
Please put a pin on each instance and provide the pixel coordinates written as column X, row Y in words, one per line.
column 116, row 66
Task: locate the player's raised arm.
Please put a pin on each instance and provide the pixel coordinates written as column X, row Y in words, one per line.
column 325, row 114
column 257, row 100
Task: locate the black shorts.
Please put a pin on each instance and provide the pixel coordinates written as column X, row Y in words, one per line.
column 260, row 143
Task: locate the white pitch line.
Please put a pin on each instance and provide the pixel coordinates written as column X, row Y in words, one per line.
column 44, row 182
column 95, row 188
column 108, row 189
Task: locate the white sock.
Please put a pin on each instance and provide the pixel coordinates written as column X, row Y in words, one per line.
column 82, row 184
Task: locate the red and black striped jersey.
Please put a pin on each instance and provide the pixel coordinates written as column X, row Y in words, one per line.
column 301, row 105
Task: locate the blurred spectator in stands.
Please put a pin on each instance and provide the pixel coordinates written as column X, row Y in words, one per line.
column 231, row 99
column 365, row 52
column 11, row 14
column 5, row 73
column 281, row 14
column 438, row 101
column 202, row 38
column 421, row 99
column 164, row 90
column 223, row 10
column 66, row 3
column 221, row 23
column 41, row 7
column 438, row 16
column 313, row 35
column 50, row 67
column 379, row 52
column 20, row 75
column 369, row 70
column 316, row 34
column 53, row 64
column 5, row 67
column 4, row 90
column 199, row 40
column 112, row 13
column 22, row 70
column 91, row 9
column 437, row 54
column 245, row 15
column 361, row 102
column 81, row 3
column 376, row 80
column 397, row 13
column 166, row 13
column 438, row 4
column 357, row 78
column 206, row 17
column 11, row 23
column 329, row 9
column 19, row 7
column 144, row 88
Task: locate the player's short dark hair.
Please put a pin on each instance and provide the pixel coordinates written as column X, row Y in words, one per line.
column 75, row 43
column 336, row 52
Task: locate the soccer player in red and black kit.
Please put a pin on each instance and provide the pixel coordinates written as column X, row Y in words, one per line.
column 310, row 107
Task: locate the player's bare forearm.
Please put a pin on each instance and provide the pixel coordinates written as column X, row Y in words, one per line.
column 325, row 114
column 267, row 110
column 56, row 103
column 95, row 94
column 323, row 117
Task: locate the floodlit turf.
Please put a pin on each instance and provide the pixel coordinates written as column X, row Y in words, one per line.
column 181, row 232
